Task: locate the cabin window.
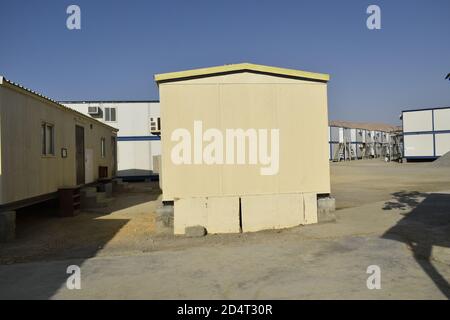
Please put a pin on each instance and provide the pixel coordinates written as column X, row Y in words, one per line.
column 48, row 139
column 110, row 114
column 103, row 147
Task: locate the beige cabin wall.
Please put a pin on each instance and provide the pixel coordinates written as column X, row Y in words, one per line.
column 246, row 100
column 26, row 173
column 1, row 193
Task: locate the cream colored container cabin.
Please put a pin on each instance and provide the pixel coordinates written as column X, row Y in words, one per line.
column 46, row 146
column 221, row 190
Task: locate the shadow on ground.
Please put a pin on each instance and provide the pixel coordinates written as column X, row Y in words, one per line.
column 426, row 223
column 134, row 197
column 41, row 235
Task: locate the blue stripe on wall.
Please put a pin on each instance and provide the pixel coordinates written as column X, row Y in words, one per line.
column 139, row 138
column 421, row 157
column 425, row 132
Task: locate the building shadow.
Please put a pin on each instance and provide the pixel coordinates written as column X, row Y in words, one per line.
column 130, row 175
column 140, row 193
column 426, row 223
column 34, row 265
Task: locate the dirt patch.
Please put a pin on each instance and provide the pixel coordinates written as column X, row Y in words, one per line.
column 356, row 183
column 127, row 226
column 42, row 235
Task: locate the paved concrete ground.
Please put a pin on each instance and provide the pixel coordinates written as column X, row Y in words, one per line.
column 406, row 233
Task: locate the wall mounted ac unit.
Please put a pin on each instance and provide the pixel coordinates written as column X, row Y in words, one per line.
column 155, row 125
column 93, row 110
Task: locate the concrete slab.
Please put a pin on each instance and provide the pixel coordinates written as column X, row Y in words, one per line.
column 277, row 211
column 189, row 212
column 326, row 208
column 216, row 214
column 310, row 204
column 106, row 188
column 223, row 215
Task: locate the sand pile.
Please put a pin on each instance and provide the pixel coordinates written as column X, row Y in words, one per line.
column 443, row 161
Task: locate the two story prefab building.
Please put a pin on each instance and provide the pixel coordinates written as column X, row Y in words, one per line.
column 45, row 146
column 426, row 133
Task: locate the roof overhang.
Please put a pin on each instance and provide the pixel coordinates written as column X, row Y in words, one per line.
column 240, row 67
column 19, row 88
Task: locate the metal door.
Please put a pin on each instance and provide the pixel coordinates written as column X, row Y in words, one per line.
column 79, row 154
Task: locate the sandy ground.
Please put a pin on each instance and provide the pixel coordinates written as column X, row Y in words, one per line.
column 355, row 183
column 128, row 221
column 387, row 217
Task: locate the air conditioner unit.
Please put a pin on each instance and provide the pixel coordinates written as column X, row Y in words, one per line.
column 155, row 125
column 93, row 110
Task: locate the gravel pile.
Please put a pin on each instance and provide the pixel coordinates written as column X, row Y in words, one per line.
column 443, row 161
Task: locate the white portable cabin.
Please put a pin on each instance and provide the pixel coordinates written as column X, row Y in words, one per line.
column 350, row 137
column 336, row 136
column 376, row 136
column 353, row 135
column 330, row 155
column 347, row 135
column 384, row 137
column 360, row 142
column 360, row 151
column 45, row 146
column 139, row 127
column 426, row 133
column 369, row 136
column 361, row 135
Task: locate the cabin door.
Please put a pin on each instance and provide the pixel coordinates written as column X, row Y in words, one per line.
column 89, row 165
column 114, row 151
column 79, row 154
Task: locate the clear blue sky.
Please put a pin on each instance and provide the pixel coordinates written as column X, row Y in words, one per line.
column 122, row 44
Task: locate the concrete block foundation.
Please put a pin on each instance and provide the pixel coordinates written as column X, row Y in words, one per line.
column 223, row 215
column 165, row 217
column 216, row 214
column 245, row 214
column 107, row 188
column 326, row 207
column 310, row 207
column 189, row 212
column 195, row 231
column 7, row 226
column 262, row 212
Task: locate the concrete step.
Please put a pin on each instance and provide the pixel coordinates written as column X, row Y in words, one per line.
column 122, row 187
column 106, row 201
column 96, row 203
column 88, row 191
column 95, row 200
column 101, row 195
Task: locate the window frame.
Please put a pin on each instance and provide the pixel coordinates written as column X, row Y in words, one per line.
column 109, row 112
column 47, row 146
column 103, row 147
